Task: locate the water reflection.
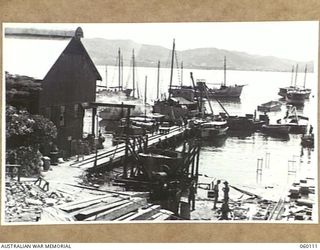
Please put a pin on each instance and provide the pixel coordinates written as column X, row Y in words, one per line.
column 275, row 137
column 214, row 142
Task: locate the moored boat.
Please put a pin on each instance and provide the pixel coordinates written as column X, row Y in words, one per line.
column 231, row 91
column 297, row 124
column 181, row 103
column 270, row 106
column 215, row 128
column 224, row 91
column 275, row 129
column 297, row 97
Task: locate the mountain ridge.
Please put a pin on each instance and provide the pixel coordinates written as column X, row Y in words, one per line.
column 104, row 52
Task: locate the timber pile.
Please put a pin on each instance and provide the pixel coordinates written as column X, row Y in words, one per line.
column 27, row 202
column 110, row 207
column 302, row 200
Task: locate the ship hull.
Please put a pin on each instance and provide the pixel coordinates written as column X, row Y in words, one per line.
column 226, row 91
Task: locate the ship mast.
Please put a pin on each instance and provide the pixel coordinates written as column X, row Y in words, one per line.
column 181, row 73
column 225, row 71
column 158, row 80
column 305, row 77
column 172, row 61
column 295, row 80
column 145, row 97
column 133, row 76
column 292, row 73
column 106, row 76
column 121, row 72
column 119, row 68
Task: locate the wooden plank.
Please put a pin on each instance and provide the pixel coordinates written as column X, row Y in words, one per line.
column 71, row 206
column 97, row 209
column 144, row 214
column 125, row 216
column 53, row 214
column 162, row 215
column 118, row 211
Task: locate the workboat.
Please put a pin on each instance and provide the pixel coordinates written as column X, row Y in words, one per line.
column 270, row 106
column 214, row 128
column 297, row 95
column 247, row 123
column 224, row 91
column 275, row 129
column 181, row 103
column 210, row 126
column 297, row 123
column 284, row 90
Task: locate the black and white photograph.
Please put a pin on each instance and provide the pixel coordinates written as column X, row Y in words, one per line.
column 160, row 122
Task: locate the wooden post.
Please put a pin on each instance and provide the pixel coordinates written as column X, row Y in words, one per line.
column 197, row 162
column 94, row 113
column 125, row 167
column 259, row 169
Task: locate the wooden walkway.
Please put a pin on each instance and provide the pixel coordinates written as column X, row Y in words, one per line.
column 117, row 153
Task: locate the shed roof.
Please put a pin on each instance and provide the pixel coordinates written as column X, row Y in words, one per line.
column 34, row 57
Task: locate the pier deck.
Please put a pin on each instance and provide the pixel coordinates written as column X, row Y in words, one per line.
column 117, row 153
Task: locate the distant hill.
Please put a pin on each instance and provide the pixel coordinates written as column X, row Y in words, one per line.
column 104, row 52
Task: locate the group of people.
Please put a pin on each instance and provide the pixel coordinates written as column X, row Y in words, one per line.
column 225, row 206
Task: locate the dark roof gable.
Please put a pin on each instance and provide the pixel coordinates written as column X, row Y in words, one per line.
column 76, row 47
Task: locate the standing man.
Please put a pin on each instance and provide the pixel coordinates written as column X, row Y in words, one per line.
column 226, row 190
column 216, row 194
column 310, row 130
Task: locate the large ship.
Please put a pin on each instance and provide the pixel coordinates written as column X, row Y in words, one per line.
column 224, row 91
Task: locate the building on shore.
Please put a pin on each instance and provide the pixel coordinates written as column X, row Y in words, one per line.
column 66, row 72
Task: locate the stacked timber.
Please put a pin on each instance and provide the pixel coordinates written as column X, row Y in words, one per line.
column 302, row 200
column 110, row 207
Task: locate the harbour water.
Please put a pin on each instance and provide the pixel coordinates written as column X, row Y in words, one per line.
column 235, row 158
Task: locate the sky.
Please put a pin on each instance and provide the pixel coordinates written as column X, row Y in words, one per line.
column 291, row 40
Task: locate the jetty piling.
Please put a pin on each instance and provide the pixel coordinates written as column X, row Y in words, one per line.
column 259, row 170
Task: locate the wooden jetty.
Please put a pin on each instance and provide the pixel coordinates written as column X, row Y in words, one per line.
column 117, row 154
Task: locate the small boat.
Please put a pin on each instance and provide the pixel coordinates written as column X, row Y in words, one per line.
column 215, row 128
column 275, row 129
column 297, row 123
column 284, row 91
column 297, row 96
column 270, row 106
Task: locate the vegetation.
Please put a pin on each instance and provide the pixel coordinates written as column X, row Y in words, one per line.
column 26, row 133
column 22, row 91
